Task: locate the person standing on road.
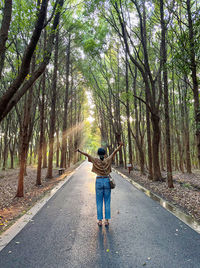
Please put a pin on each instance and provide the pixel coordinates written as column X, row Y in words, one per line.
column 102, row 167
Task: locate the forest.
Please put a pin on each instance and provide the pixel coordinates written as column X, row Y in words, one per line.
column 84, row 74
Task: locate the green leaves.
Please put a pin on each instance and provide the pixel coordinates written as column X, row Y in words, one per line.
column 126, row 96
column 89, row 45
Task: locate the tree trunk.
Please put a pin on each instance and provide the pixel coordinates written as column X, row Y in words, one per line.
column 161, row 156
column 57, row 147
column 12, row 152
column 118, row 139
column 128, row 115
column 71, row 126
column 187, row 132
column 53, row 109
column 31, row 154
column 155, row 146
column 41, row 142
column 63, row 162
column 180, row 153
column 5, row 151
column 42, row 116
column 141, row 158
column 5, row 25
column 25, row 138
column 166, row 97
column 150, row 157
column 12, row 160
column 23, row 145
column 44, row 153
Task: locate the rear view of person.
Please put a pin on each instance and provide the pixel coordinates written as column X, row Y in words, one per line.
column 102, row 167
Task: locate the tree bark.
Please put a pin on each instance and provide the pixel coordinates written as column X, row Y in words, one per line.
column 25, row 138
column 41, row 106
column 53, row 109
column 5, row 25
column 63, row 162
column 12, row 146
column 166, row 97
column 187, row 132
column 41, row 142
column 149, row 144
column 44, row 153
column 5, row 151
column 57, row 147
column 138, row 137
column 155, row 146
column 128, row 114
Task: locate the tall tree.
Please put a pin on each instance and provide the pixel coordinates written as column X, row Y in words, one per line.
column 63, row 162
column 53, row 109
column 166, row 97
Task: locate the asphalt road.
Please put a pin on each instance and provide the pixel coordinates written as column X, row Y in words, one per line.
column 64, row 232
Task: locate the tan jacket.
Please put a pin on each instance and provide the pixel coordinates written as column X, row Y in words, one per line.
column 101, row 168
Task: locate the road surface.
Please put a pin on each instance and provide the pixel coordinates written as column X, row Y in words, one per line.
column 64, row 233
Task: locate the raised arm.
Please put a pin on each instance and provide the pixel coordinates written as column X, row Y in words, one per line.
column 82, row 153
column 116, row 150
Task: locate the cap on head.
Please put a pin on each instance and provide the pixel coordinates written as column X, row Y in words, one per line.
column 101, row 151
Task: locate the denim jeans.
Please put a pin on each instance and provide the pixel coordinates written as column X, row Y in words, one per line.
column 103, row 193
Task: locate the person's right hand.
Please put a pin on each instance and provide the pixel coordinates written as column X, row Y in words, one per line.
column 121, row 143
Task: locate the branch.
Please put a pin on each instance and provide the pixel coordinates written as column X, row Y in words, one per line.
column 25, row 65
column 15, row 99
column 53, row 12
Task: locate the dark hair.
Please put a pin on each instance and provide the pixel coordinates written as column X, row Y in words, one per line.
column 101, row 152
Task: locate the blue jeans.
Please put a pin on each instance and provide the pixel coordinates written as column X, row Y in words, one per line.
column 103, row 193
